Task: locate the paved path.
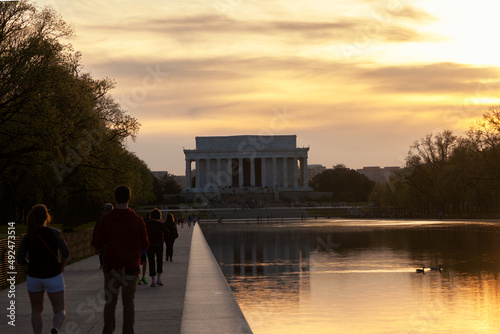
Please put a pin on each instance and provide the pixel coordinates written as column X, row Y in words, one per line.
column 158, row 310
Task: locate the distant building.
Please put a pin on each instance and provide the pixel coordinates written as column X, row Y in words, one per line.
column 247, row 161
column 315, row 169
column 377, row 174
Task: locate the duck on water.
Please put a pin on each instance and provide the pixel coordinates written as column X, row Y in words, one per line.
column 422, row 270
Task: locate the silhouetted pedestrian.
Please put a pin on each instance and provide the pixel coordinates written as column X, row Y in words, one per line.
column 107, row 207
column 42, row 243
column 157, row 232
column 122, row 233
column 170, row 239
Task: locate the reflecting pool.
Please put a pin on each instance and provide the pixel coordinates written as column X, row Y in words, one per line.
column 355, row 276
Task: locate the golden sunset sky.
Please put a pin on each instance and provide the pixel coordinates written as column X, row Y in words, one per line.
column 358, row 81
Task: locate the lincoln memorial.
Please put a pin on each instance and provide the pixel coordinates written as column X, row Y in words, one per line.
column 256, row 162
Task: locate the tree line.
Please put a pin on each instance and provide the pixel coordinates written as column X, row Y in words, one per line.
column 62, row 135
column 446, row 174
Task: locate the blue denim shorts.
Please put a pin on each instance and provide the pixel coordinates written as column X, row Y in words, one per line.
column 53, row 284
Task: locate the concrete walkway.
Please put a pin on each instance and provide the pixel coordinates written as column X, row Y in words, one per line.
column 158, row 310
column 209, row 305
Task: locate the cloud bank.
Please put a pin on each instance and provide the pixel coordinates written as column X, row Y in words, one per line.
column 358, row 80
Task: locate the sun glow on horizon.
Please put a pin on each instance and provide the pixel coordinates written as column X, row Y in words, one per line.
column 468, row 28
column 358, row 68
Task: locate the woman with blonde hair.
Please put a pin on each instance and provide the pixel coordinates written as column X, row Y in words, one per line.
column 42, row 244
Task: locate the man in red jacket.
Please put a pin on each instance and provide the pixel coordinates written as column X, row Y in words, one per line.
column 123, row 234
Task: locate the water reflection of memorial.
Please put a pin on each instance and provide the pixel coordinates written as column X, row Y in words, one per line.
column 256, row 252
column 359, row 276
column 266, row 249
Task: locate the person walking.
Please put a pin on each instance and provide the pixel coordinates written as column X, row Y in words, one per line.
column 170, row 239
column 157, row 232
column 144, row 264
column 122, row 233
column 42, row 244
column 107, row 207
column 144, row 261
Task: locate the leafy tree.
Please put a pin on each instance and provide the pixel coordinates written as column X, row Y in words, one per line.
column 345, row 184
column 482, row 147
column 170, row 184
column 62, row 137
column 167, row 185
column 445, row 173
column 425, row 168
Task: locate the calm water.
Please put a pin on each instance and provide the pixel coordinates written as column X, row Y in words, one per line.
column 339, row 276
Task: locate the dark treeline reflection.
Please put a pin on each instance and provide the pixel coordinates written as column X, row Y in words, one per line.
column 264, row 249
